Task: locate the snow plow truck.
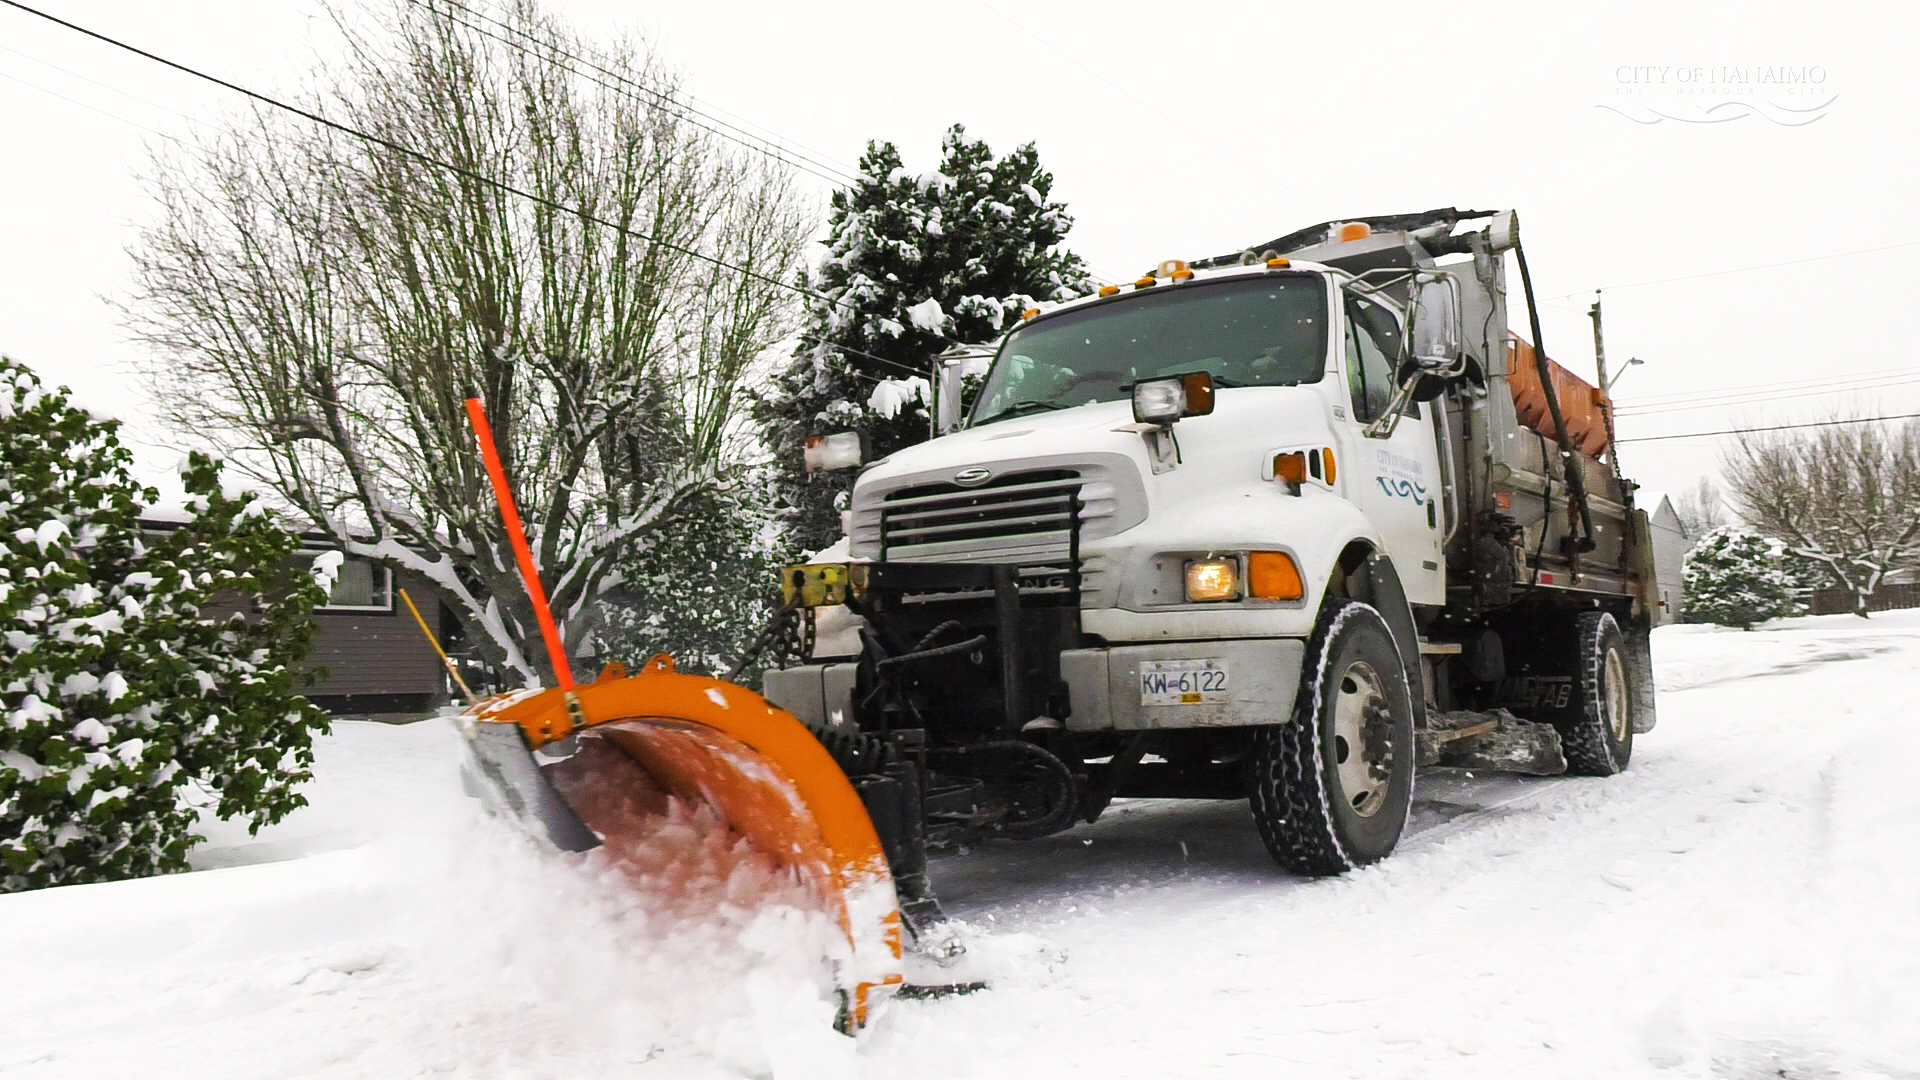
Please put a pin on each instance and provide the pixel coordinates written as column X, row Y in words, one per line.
column 1281, row 525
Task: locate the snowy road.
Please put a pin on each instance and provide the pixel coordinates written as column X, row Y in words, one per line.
column 1744, row 902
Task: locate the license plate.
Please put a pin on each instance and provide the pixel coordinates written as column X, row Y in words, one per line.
column 1183, row 682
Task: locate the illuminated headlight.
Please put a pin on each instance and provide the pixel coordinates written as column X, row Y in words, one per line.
column 1213, row 579
column 1159, row 401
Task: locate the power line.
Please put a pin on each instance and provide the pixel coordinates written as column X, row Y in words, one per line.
column 1722, row 401
column 840, row 178
column 1741, row 269
column 833, row 175
column 1775, row 427
column 1805, row 383
column 104, row 86
column 84, row 105
column 488, row 181
column 527, row 43
column 1177, row 125
column 666, row 100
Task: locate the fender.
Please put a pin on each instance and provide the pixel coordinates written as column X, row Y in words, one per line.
column 1373, row 581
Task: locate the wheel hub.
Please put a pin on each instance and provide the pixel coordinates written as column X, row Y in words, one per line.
column 1619, row 719
column 1362, row 739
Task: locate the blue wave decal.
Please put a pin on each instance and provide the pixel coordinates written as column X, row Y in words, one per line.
column 1402, row 489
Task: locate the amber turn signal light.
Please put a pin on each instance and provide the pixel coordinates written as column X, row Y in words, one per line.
column 1271, row 575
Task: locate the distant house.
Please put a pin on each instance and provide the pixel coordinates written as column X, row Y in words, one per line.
column 375, row 658
column 377, row 661
column 1670, row 544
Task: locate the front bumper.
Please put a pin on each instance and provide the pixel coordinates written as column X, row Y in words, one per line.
column 1103, row 686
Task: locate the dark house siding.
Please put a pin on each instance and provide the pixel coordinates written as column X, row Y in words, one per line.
column 377, row 661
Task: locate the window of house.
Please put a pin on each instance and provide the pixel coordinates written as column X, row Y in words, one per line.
column 360, row 585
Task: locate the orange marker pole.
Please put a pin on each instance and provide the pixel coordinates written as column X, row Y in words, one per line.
column 556, row 653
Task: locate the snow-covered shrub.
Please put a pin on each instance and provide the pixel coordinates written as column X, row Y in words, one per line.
column 1733, row 577
column 126, row 696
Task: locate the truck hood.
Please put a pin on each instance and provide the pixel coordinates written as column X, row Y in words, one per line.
column 1022, row 437
column 1246, row 422
column 1221, row 457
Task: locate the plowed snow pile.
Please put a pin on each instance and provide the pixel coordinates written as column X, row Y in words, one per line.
column 1739, row 904
column 453, row 945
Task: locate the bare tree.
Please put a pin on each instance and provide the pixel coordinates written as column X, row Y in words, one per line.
column 521, row 227
column 1700, row 508
column 1846, row 497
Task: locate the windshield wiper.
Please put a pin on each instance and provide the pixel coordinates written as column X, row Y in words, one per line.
column 1019, row 408
column 1217, row 380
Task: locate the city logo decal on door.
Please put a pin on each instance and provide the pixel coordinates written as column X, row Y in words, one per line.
column 1403, row 476
column 1402, row 489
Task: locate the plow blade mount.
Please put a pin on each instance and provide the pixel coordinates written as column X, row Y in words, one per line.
column 602, row 765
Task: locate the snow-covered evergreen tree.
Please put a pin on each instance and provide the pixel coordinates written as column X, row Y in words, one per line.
column 1733, row 577
column 914, row 265
column 704, row 588
column 128, row 700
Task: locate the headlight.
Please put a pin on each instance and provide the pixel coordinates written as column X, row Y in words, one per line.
column 1162, row 401
column 1212, row 579
column 1159, row 401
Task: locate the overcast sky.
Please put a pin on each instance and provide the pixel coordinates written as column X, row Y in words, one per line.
column 1640, row 143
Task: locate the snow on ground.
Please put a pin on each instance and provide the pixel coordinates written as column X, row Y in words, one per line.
column 1739, row 904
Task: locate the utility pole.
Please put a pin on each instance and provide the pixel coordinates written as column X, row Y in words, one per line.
column 1600, row 369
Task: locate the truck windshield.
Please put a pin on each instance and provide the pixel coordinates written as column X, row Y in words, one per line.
column 1262, row 331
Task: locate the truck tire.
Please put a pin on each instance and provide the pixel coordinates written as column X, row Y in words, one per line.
column 1596, row 730
column 1331, row 787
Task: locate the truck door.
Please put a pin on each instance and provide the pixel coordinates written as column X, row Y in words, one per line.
column 1395, row 480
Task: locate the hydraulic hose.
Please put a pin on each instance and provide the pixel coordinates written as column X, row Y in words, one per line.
column 1576, row 481
column 926, row 650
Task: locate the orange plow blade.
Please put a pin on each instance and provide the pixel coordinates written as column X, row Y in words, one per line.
column 629, row 752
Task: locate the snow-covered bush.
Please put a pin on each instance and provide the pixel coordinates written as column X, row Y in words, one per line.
column 126, row 696
column 1733, row 577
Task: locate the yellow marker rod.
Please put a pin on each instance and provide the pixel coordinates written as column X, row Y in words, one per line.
column 442, row 653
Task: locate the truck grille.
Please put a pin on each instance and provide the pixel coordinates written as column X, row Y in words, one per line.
column 1039, row 514
column 1018, row 516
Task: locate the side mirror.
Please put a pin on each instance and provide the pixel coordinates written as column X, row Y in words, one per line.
column 829, row 453
column 1433, row 329
column 1432, row 353
column 1162, row 401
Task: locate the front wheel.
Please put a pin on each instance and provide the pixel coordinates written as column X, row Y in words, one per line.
column 1332, row 786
